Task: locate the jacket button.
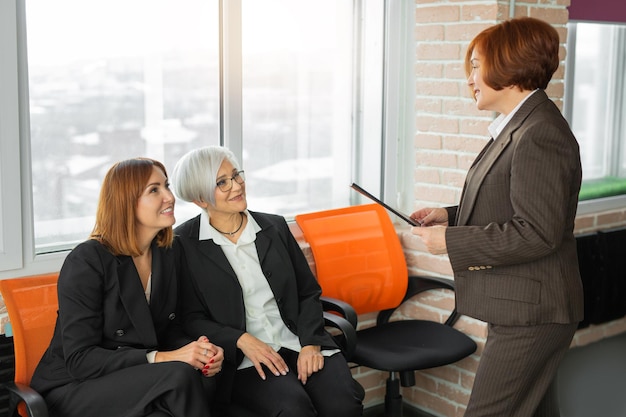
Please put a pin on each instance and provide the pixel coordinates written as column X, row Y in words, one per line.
column 172, row 316
column 119, row 332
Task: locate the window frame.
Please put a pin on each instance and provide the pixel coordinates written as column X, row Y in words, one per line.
column 609, row 202
column 10, row 208
column 16, row 212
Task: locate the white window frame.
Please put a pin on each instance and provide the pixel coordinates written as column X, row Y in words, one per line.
column 17, row 245
column 616, row 129
column 10, row 207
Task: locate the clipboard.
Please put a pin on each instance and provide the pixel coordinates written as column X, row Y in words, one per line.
column 403, row 216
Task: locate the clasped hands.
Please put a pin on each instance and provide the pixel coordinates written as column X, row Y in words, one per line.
column 432, row 231
column 201, row 354
column 310, row 359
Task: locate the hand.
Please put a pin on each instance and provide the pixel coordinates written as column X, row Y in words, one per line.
column 260, row 353
column 431, row 216
column 200, row 354
column 212, row 357
column 434, row 238
column 310, row 360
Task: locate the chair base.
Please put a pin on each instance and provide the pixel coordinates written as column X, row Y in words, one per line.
column 393, row 398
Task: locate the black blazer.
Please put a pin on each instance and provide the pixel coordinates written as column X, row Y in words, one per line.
column 104, row 322
column 212, row 299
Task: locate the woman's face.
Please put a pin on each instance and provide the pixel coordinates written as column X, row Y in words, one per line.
column 155, row 207
column 233, row 200
column 486, row 97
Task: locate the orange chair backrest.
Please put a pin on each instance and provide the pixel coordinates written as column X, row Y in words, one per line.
column 358, row 256
column 32, row 305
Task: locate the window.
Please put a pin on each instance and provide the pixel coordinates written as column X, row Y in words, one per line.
column 297, row 96
column 308, row 94
column 109, row 81
column 596, row 107
column 10, row 215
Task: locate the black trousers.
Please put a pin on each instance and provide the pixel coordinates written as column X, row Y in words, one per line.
column 331, row 392
column 160, row 389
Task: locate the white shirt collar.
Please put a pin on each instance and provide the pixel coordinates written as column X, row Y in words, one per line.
column 208, row 232
column 496, row 127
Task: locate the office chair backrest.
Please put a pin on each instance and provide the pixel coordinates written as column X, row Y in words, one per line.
column 32, row 306
column 358, row 256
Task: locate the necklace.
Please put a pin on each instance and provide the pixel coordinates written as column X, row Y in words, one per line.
column 234, row 231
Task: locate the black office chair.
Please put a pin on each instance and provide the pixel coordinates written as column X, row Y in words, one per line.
column 359, row 260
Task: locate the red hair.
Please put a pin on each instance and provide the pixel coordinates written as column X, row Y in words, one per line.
column 522, row 52
column 116, row 214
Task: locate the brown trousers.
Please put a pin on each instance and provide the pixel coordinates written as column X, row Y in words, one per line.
column 516, row 376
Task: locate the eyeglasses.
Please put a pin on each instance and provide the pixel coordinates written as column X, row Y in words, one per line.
column 226, row 184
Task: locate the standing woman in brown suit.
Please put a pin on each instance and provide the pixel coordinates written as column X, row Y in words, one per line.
column 510, row 240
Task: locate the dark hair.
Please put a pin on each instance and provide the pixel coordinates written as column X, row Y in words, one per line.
column 117, row 207
column 522, row 52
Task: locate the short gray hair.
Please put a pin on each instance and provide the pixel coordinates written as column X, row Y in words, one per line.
column 195, row 175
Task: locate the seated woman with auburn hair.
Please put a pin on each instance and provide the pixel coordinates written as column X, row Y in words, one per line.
column 117, row 348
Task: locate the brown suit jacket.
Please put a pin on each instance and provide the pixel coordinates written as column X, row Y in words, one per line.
column 514, row 258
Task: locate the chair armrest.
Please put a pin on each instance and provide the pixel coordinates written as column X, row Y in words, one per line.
column 340, row 307
column 346, row 335
column 35, row 404
column 419, row 284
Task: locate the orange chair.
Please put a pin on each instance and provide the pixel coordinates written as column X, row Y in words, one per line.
column 359, row 259
column 32, row 306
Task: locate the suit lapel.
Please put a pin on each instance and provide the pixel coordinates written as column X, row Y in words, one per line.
column 215, row 255
column 475, row 177
column 134, row 301
column 262, row 245
column 490, row 154
column 162, row 283
column 207, row 248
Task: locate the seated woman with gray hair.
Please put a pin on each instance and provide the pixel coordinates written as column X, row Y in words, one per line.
column 248, row 287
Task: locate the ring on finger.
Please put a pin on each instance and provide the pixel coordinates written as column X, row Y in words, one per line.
column 206, row 352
